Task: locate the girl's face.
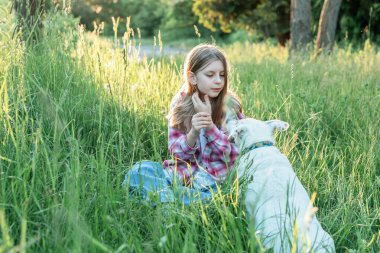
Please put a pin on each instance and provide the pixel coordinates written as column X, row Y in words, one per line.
column 210, row 80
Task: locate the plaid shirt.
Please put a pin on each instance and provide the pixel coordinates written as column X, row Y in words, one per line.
column 217, row 158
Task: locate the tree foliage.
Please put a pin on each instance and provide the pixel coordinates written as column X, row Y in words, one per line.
column 358, row 20
column 269, row 17
column 145, row 14
column 179, row 21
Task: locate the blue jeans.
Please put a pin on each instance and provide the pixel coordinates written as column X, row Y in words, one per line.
column 147, row 178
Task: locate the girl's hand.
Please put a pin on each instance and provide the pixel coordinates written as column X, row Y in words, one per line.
column 201, row 120
column 201, row 106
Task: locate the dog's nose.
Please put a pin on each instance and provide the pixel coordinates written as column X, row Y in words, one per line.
column 231, row 139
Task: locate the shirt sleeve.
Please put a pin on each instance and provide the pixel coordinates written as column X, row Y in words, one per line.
column 183, row 155
column 178, row 146
column 217, row 139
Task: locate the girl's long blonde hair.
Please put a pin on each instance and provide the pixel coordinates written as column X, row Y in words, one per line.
column 182, row 110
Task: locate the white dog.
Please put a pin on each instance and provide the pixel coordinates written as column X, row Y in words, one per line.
column 275, row 198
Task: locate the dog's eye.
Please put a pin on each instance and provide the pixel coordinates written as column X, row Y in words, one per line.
column 240, row 130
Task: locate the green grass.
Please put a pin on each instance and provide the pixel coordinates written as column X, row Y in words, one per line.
column 76, row 114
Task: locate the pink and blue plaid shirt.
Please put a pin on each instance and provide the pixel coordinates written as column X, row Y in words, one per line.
column 217, row 158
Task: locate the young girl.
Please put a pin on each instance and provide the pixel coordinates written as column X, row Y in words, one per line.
column 198, row 139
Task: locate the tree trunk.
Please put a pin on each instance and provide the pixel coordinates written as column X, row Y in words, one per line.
column 300, row 15
column 327, row 26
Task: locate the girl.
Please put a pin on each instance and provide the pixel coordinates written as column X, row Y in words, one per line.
column 198, row 141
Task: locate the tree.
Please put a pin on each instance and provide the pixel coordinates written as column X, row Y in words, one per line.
column 356, row 21
column 268, row 17
column 147, row 15
column 300, row 18
column 179, row 22
column 327, row 26
column 86, row 12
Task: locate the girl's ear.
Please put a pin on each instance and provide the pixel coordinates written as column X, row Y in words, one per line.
column 192, row 78
column 278, row 125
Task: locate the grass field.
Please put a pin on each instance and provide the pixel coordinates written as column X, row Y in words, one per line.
column 77, row 112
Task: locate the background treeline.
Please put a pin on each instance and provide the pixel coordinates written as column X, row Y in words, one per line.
column 175, row 19
column 358, row 20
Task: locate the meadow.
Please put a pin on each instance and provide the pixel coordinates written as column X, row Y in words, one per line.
column 77, row 111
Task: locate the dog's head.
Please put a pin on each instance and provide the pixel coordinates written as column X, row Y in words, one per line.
column 248, row 131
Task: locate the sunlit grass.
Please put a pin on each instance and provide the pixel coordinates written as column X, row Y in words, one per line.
column 77, row 111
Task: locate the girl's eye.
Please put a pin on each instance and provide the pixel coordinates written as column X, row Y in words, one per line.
column 211, row 75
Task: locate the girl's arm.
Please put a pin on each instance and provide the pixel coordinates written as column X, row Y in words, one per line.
column 179, row 146
column 217, row 139
column 191, row 137
column 183, row 156
column 218, row 142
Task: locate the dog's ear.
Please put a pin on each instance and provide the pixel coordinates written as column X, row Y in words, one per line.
column 278, row 125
